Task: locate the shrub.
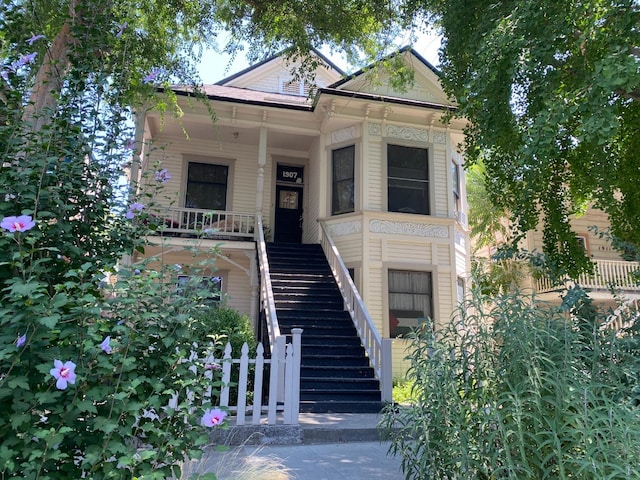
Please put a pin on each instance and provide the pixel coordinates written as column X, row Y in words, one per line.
column 222, row 325
column 516, row 389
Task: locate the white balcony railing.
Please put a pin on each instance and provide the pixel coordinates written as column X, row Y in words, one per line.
column 378, row 349
column 607, row 274
column 208, row 223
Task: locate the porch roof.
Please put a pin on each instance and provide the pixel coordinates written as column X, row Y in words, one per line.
column 278, row 100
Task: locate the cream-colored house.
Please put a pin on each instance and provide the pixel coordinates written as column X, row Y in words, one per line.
column 613, row 282
column 370, row 173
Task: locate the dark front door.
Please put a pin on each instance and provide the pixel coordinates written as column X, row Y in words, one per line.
column 288, row 226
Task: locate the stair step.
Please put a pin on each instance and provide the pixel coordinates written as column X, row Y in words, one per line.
column 334, row 332
column 337, row 371
column 318, row 394
column 328, row 341
column 308, row 298
column 333, row 360
column 339, row 384
column 329, row 329
column 347, row 350
column 317, row 306
column 333, row 406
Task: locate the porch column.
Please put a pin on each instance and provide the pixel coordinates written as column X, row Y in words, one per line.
column 262, row 161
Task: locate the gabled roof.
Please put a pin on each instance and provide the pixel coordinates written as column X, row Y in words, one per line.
column 274, row 57
column 402, row 50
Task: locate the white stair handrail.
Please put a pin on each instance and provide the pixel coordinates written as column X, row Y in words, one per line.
column 378, row 349
column 266, row 290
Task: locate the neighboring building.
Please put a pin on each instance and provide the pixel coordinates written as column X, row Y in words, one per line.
column 373, row 169
column 612, row 282
column 614, row 279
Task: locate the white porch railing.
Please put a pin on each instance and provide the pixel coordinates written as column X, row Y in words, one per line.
column 607, row 274
column 192, row 221
column 284, row 357
column 378, row 349
column 623, row 316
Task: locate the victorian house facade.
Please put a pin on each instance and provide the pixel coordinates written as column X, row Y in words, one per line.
column 356, row 190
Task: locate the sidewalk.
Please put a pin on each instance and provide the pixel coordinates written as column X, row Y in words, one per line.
column 328, row 461
column 324, row 446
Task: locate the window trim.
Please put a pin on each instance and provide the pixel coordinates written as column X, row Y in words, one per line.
column 229, row 163
column 385, row 173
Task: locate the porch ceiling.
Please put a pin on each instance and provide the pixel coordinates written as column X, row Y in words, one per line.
column 277, row 139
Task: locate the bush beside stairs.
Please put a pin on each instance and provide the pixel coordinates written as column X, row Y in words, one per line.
column 335, row 375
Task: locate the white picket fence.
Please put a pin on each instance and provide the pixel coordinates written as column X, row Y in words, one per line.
column 284, row 382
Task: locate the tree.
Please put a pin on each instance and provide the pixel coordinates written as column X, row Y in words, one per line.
column 552, row 93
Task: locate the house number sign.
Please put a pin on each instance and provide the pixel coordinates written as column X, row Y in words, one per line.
column 289, row 174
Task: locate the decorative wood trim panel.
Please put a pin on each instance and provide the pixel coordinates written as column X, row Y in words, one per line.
column 341, row 229
column 344, row 135
column 408, row 228
column 439, row 137
column 407, row 133
column 375, row 129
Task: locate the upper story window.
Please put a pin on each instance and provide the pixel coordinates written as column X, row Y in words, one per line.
column 207, row 186
column 408, row 179
column 410, row 300
column 455, row 175
column 342, row 163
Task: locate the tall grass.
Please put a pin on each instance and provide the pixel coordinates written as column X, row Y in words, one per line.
column 517, row 390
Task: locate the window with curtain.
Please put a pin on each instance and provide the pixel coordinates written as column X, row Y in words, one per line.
column 407, row 179
column 410, row 300
column 207, row 186
column 342, row 162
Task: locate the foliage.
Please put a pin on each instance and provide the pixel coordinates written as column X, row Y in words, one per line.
column 551, row 90
column 95, row 359
column 516, row 389
column 488, row 221
column 223, row 324
column 402, row 391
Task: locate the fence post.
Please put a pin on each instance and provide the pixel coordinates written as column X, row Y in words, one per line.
column 280, row 341
column 295, row 385
column 387, row 371
column 288, row 382
column 226, row 376
column 257, row 385
column 273, row 384
column 242, row 385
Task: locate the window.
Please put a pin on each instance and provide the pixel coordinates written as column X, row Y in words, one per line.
column 205, row 290
column 407, row 179
column 342, row 161
column 410, row 300
column 582, row 241
column 455, row 174
column 460, row 284
column 207, row 186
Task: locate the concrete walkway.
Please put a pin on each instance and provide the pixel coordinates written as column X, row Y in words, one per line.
column 329, row 447
column 327, row 461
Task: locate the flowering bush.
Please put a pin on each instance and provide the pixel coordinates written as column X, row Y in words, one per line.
column 100, row 370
